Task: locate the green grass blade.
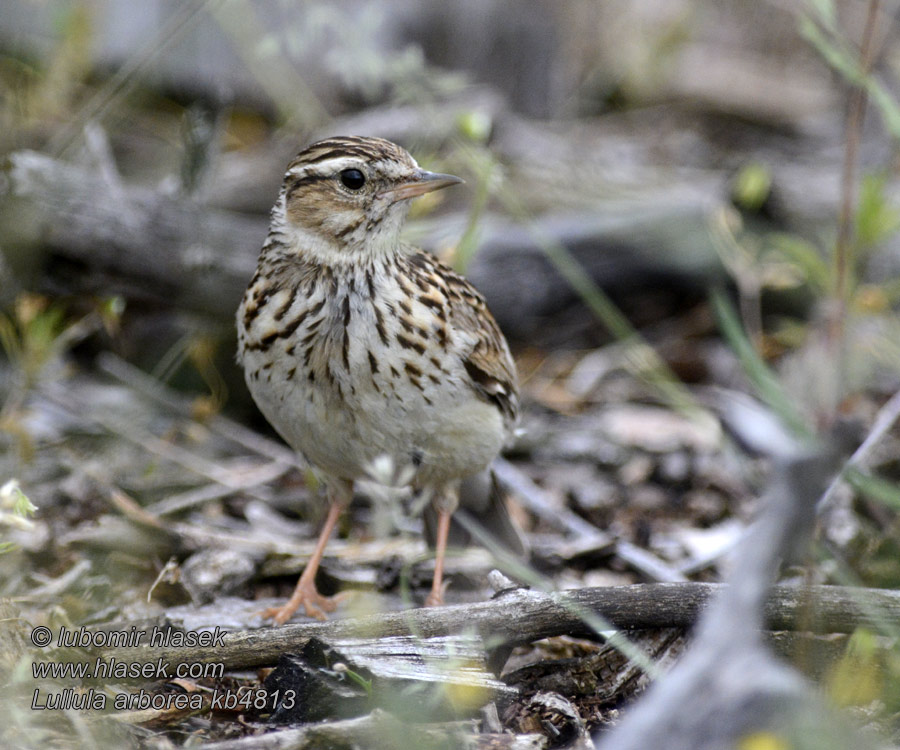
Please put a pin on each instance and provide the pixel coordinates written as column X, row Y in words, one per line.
column 759, row 373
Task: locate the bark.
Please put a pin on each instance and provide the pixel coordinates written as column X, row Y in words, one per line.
column 521, row 616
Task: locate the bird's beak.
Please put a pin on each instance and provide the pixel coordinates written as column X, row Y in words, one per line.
column 421, row 183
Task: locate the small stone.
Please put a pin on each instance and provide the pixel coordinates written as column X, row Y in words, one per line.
column 648, row 498
column 215, row 572
column 675, row 468
column 636, row 470
column 658, row 430
column 704, row 506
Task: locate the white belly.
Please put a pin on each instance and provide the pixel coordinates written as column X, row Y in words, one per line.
column 352, row 412
column 456, row 440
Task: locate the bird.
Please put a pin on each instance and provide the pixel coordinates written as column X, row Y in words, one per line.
column 356, row 345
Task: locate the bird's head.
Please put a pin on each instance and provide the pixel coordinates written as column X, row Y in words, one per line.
column 347, row 196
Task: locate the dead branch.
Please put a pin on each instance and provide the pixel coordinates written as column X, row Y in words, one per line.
column 521, row 616
column 379, row 729
column 151, row 245
column 197, row 256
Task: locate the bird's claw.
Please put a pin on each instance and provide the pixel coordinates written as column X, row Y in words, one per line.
column 436, row 597
column 313, row 603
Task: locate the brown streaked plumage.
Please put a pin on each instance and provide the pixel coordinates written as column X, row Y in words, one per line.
column 355, row 345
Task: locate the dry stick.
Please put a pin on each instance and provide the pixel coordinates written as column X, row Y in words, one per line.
column 523, row 616
column 283, row 459
column 379, row 729
column 884, row 420
column 536, row 500
column 153, row 389
column 136, row 435
column 249, row 481
column 359, row 553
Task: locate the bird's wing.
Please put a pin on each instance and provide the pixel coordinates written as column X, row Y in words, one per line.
column 488, row 361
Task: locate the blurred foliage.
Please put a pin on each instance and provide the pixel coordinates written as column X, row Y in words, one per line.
column 350, row 39
column 781, row 261
column 36, row 331
column 765, row 741
column 15, row 510
column 887, row 493
column 820, row 26
column 30, row 335
column 765, row 380
column 825, row 363
column 488, row 172
column 347, row 44
column 877, row 219
column 752, row 186
column 35, row 93
column 33, row 336
column 200, row 351
column 865, row 673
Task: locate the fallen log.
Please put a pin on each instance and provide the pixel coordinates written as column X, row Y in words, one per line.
column 170, row 250
column 521, row 616
column 380, row 729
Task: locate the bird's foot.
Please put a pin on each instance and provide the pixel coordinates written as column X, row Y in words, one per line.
column 306, row 596
column 436, row 597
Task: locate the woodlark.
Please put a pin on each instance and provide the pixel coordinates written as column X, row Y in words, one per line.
column 356, row 345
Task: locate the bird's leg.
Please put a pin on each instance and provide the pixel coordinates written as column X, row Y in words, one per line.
column 445, row 503
column 305, row 593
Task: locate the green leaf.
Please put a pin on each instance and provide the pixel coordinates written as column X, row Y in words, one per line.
column 22, row 505
column 876, row 218
column 475, row 125
column 843, row 57
column 752, row 186
column 886, row 103
column 834, row 50
column 824, row 10
column 856, row 679
column 875, row 488
column 806, row 256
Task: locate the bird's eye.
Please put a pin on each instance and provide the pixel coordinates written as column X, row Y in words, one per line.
column 352, row 179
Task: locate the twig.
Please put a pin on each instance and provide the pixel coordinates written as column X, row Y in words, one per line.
column 54, row 588
column 67, row 400
column 884, row 420
column 359, row 553
column 523, row 616
column 648, row 564
column 380, row 729
column 130, row 508
column 151, row 388
column 538, row 502
column 182, row 501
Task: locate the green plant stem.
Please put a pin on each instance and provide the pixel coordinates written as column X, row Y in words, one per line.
column 767, row 384
column 844, row 246
column 280, row 80
column 468, row 243
column 641, row 357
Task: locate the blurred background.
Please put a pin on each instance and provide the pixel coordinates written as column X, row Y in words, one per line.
column 662, row 197
column 650, row 139
column 645, row 137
